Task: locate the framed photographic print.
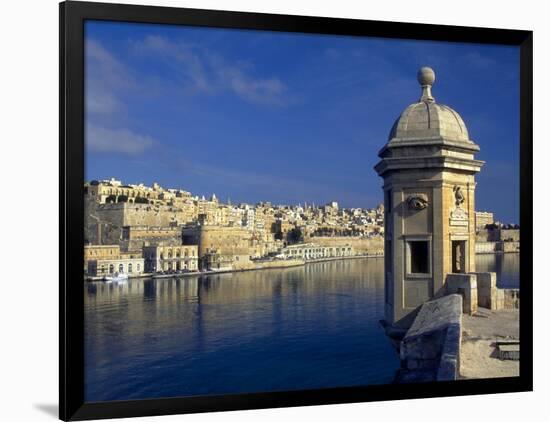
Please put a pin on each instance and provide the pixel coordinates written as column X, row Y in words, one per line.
column 265, row 210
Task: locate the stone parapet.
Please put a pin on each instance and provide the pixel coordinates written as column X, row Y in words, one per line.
column 466, row 286
column 430, row 351
column 489, row 296
column 507, row 299
column 487, row 290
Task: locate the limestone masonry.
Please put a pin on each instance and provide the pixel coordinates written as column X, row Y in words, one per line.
column 428, row 167
column 431, row 230
column 159, row 225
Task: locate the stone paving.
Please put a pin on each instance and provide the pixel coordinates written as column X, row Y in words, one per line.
column 480, row 332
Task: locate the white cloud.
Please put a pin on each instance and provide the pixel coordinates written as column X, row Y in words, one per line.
column 108, row 83
column 100, row 101
column 260, row 91
column 181, row 55
column 106, row 77
column 106, row 67
column 124, row 141
column 207, row 71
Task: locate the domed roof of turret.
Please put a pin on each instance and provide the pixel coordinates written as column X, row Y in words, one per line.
column 427, row 119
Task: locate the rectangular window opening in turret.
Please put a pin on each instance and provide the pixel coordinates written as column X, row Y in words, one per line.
column 459, row 256
column 419, row 257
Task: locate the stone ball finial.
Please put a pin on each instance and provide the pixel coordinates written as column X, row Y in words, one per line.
column 426, row 76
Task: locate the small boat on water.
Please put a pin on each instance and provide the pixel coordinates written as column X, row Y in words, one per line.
column 116, row 277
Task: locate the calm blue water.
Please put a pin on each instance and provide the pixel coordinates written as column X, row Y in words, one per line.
column 505, row 265
column 308, row 327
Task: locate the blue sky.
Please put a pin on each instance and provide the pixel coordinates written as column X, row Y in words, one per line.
column 286, row 118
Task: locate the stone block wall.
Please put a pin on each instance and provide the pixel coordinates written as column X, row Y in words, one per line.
column 361, row 245
column 486, row 247
column 498, row 235
column 508, row 247
column 466, row 286
column 487, row 290
column 507, row 299
column 493, row 298
column 510, row 235
column 430, row 350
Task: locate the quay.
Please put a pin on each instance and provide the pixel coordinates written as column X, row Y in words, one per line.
column 452, row 338
column 482, row 334
column 258, row 265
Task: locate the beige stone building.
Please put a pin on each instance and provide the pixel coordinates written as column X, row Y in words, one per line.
column 113, row 191
column 483, row 218
column 170, row 258
column 102, row 267
column 428, row 167
column 309, row 251
column 99, row 253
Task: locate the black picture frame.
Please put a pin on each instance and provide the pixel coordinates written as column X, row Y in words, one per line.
column 71, row 128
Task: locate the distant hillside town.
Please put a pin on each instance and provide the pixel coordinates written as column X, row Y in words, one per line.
column 138, row 229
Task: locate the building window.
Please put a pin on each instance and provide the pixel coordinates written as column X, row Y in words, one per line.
column 130, row 267
column 120, row 268
column 138, row 268
column 111, row 269
column 419, row 257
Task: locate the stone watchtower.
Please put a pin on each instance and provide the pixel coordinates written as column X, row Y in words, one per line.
column 428, row 168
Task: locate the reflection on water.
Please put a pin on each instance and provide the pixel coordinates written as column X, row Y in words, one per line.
column 306, row 327
column 505, row 265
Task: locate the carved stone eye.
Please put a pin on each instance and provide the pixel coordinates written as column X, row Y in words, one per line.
column 417, row 202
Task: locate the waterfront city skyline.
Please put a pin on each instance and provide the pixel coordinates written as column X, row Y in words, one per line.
column 224, row 200
column 251, row 117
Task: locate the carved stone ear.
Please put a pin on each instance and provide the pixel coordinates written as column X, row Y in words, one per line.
column 459, row 196
column 417, row 201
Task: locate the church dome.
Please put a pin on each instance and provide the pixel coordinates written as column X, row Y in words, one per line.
column 427, row 119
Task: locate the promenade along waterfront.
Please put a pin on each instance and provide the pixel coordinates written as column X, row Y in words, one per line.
column 312, row 326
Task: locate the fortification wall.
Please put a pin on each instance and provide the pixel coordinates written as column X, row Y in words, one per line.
column 497, row 235
column 509, row 235
column 496, row 247
column 113, row 217
column 222, row 240
column 509, row 247
column 361, row 245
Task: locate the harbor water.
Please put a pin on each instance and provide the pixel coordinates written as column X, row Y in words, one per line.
column 315, row 326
